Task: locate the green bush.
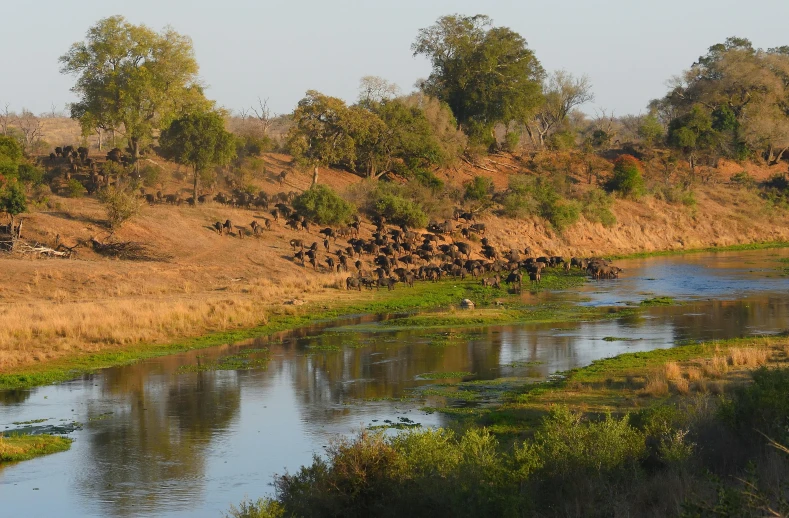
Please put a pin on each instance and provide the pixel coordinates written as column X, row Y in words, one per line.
column 572, row 446
column 479, row 189
column 562, row 141
column 743, row 179
column 428, row 179
column 597, row 208
column 399, row 210
column 762, row 405
column 30, row 174
column 120, row 204
column 627, row 177
column 322, row 205
column 12, row 199
column 10, row 149
column 528, row 195
column 512, row 140
column 75, row 189
column 150, row 175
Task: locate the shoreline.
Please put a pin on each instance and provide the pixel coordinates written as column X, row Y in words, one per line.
column 423, row 297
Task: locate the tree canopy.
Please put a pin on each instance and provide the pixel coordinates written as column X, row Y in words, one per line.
column 198, row 140
column 485, row 74
column 132, row 79
column 734, row 101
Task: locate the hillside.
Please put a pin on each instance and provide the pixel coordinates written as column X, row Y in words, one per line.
column 203, row 281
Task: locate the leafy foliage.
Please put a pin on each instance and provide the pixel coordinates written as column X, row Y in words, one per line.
column 627, row 177
column 479, row 189
column 12, row 199
column 322, row 205
column 198, row 140
column 527, row 196
column 132, row 79
column 485, row 74
column 121, row 204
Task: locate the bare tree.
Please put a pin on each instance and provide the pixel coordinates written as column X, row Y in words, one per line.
column 30, row 126
column 563, row 92
column 6, row 116
column 264, row 115
column 374, row 89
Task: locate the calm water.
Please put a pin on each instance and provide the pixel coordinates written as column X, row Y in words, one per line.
column 156, row 441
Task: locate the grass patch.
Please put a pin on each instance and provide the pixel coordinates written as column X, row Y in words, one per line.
column 234, row 362
column 15, row 448
column 619, row 339
column 657, row 301
column 444, row 375
column 728, row 248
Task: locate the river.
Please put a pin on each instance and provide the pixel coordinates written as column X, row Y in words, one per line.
column 158, row 438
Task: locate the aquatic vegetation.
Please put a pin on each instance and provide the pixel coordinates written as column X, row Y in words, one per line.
column 444, row 375
column 657, row 301
column 242, row 361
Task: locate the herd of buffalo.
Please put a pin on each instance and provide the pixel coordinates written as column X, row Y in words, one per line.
column 393, row 254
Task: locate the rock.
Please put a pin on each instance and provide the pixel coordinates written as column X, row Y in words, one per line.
column 466, row 304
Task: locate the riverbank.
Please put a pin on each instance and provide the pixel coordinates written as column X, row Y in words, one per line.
column 247, row 313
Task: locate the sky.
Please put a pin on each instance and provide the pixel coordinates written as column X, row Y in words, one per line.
column 280, row 49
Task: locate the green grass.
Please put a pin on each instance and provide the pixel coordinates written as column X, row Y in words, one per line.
column 15, row 448
column 618, row 339
column 444, row 375
column 729, row 248
column 657, row 301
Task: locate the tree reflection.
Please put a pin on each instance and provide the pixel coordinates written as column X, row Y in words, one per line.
column 150, row 453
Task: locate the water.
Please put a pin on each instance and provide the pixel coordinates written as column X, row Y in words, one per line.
column 156, row 441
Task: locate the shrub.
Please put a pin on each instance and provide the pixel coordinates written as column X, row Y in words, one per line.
column 777, row 181
column 10, row 149
column 743, row 179
column 150, row 175
column 30, row 174
column 572, row 446
column 762, row 405
column 479, row 189
column 527, row 195
column 12, row 199
column 120, row 204
column 263, row 508
column 562, row 141
column 512, row 141
column 597, row 208
column 75, row 189
column 399, row 210
column 428, row 179
column 322, row 205
column 627, row 177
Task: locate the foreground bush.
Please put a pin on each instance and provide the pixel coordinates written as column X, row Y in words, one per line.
column 120, row 204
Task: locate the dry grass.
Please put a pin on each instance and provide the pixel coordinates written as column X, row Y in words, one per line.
column 700, row 386
column 43, row 330
column 716, row 387
column 748, row 357
column 681, row 386
column 672, row 371
column 694, row 374
column 717, row 367
column 655, row 386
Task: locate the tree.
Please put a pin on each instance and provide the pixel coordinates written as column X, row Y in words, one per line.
column 485, row 74
column 562, row 92
column 693, row 134
column 375, row 90
column 320, row 135
column 132, row 79
column 198, row 140
column 12, row 200
column 743, row 90
column 30, row 126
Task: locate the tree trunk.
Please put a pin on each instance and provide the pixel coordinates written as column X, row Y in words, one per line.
column 194, row 187
column 314, row 177
column 99, row 133
column 777, row 158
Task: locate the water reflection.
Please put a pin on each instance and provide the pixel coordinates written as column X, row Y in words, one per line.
column 160, row 442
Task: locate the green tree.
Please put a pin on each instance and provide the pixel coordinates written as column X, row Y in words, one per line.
column 121, row 204
column 321, row 134
column 322, row 205
column 132, row 79
column 10, row 149
column 485, row 74
column 12, row 200
column 479, row 189
column 198, row 140
column 693, row 134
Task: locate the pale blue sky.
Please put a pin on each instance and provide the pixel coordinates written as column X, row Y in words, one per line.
column 280, row 49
